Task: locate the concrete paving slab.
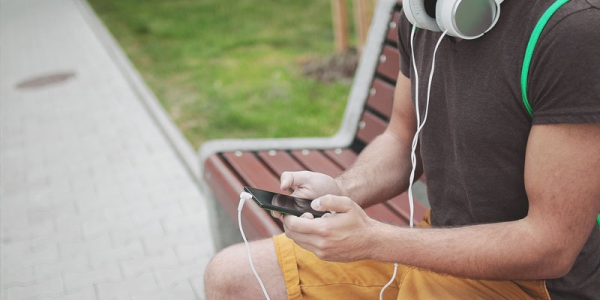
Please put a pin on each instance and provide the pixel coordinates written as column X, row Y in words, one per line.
column 99, row 194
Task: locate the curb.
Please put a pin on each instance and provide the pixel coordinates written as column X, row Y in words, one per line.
column 174, row 136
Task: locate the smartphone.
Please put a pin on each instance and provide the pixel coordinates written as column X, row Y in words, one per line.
column 282, row 203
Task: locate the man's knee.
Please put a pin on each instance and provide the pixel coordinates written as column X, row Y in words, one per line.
column 222, row 276
column 229, row 276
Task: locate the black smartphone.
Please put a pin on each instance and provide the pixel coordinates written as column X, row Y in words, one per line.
column 282, row 203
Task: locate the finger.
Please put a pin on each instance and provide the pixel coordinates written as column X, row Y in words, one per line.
column 286, row 181
column 305, row 241
column 275, row 214
column 293, row 180
column 299, row 225
column 333, row 204
column 307, row 216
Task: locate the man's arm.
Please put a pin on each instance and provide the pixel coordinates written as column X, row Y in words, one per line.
column 382, row 169
column 563, row 186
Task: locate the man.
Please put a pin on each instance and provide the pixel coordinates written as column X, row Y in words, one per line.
column 513, row 199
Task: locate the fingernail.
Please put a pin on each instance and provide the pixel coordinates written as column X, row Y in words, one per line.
column 316, row 204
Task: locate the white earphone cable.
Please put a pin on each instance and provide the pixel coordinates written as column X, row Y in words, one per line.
column 389, row 282
column 243, row 197
column 413, row 155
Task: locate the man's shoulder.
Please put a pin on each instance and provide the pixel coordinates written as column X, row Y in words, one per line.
column 577, row 22
column 594, row 3
column 581, row 14
column 564, row 67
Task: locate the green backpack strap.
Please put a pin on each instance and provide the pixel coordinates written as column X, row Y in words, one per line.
column 535, row 35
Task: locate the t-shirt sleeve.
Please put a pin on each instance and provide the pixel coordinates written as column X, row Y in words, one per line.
column 404, row 28
column 564, row 79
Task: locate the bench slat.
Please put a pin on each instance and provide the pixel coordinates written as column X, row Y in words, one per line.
column 392, row 35
column 389, row 63
column 370, row 127
column 315, row 160
column 280, row 161
column 381, row 97
column 344, row 157
column 252, row 170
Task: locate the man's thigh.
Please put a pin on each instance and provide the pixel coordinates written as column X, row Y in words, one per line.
column 307, row 277
column 417, row 283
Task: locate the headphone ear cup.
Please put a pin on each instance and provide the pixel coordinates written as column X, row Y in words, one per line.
column 467, row 19
column 415, row 13
column 441, row 13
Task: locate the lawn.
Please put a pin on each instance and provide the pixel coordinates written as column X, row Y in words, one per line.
column 232, row 69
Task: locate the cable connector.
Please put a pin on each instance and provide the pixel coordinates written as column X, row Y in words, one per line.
column 243, row 197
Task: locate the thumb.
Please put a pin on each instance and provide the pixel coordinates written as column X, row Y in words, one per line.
column 338, row 204
column 290, row 181
column 287, row 181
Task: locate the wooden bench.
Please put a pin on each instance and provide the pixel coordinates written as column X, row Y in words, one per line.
column 228, row 165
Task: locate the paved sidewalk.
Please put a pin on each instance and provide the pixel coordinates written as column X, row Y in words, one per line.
column 98, row 194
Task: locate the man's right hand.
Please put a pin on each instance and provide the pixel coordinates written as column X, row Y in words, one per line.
column 309, row 185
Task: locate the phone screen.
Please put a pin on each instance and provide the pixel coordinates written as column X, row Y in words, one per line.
column 282, row 203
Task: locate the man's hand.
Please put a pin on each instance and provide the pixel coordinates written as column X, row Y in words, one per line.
column 308, row 185
column 342, row 235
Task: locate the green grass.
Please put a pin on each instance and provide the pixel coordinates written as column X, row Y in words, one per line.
column 232, row 69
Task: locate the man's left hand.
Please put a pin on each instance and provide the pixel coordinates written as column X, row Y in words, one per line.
column 342, row 235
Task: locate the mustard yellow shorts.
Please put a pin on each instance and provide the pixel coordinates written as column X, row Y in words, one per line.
column 308, row 277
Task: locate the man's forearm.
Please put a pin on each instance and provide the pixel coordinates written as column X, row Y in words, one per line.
column 563, row 191
column 501, row 251
column 381, row 171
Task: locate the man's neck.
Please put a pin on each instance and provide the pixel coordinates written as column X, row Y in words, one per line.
column 455, row 39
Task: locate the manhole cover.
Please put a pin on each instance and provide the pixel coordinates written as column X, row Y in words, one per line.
column 45, row 80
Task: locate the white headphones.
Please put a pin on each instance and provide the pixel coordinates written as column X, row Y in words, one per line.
column 465, row 19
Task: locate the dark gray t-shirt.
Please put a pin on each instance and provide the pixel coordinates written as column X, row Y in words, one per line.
column 473, row 145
